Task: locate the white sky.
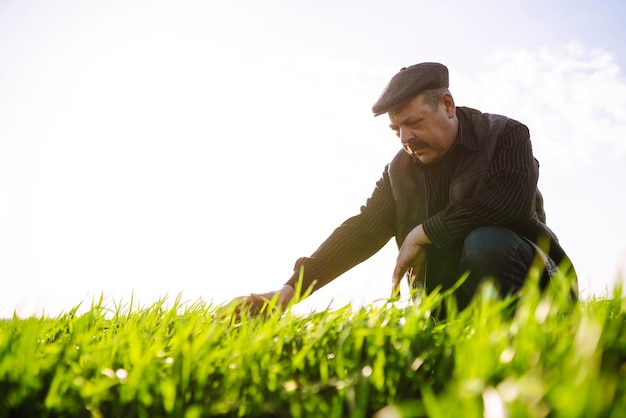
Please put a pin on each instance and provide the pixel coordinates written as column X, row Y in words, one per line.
column 163, row 147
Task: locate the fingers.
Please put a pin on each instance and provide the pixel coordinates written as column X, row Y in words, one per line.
column 410, row 255
column 257, row 303
column 396, row 279
column 246, row 305
column 402, row 264
column 261, row 303
column 395, row 288
column 408, row 261
column 399, row 271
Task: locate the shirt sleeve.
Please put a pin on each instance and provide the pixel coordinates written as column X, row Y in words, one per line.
column 508, row 198
column 354, row 241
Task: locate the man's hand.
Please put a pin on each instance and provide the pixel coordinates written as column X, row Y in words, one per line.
column 410, row 256
column 254, row 303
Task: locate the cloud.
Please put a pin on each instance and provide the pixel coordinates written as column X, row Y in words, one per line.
column 572, row 98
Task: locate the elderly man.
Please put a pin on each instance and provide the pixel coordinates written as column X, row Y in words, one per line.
column 460, row 197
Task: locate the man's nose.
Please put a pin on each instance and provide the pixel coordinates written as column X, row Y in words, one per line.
column 405, row 140
column 405, row 136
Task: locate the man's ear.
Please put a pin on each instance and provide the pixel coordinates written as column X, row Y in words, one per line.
column 448, row 103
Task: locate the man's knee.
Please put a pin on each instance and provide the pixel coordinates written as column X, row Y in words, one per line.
column 496, row 253
column 490, row 244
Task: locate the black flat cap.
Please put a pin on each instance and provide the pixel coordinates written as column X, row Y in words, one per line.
column 410, row 82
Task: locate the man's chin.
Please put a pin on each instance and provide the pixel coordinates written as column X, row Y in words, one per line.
column 425, row 158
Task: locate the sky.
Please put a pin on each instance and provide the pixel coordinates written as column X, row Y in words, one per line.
column 155, row 149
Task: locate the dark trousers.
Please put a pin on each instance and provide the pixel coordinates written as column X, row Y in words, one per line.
column 487, row 252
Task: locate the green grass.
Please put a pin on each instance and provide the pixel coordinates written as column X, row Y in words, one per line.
column 547, row 358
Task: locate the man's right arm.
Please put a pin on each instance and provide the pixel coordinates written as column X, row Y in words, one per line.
column 354, row 241
column 357, row 239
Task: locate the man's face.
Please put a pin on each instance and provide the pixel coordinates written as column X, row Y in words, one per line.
column 425, row 133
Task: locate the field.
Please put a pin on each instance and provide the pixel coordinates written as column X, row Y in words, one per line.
column 546, row 357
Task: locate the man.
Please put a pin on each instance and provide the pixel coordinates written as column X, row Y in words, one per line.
column 460, row 197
